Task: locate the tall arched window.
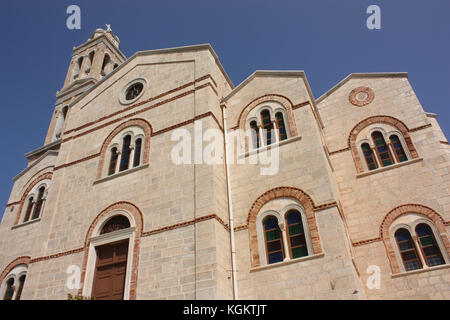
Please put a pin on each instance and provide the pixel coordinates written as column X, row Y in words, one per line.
column 296, row 234
column 77, row 68
column 369, row 156
column 382, row 149
column 400, row 154
column 29, row 208
column 9, row 292
column 428, row 245
column 280, row 125
column 126, row 150
column 20, row 288
column 137, row 152
column 273, row 240
column 113, row 161
column 267, row 125
column 407, row 250
column 255, row 134
column 105, row 65
column 39, row 203
column 89, row 62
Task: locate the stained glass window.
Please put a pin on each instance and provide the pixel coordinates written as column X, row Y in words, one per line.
column 255, row 134
column 398, row 148
column 274, row 243
column 137, row 152
column 125, row 159
column 267, row 126
column 39, row 203
column 369, row 156
column 382, row 149
column 113, row 161
column 296, row 234
column 9, row 292
column 281, row 126
column 20, row 289
column 430, row 248
column 407, row 250
column 29, row 208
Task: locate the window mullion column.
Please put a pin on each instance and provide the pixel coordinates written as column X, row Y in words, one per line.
column 376, row 155
column 419, row 251
column 287, row 254
column 275, row 129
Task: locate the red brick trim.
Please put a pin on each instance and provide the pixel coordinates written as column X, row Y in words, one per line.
column 146, row 101
column 143, row 124
column 338, row 151
column 204, row 115
column 57, row 255
column 404, row 209
column 289, row 192
column 47, row 175
column 138, row 219
column 378, row 119
column 363, row 242
column 444, row 142
column 297, row 106
column 359, row 103
column 288, row 105
column 187, row 223
column 12, row 265
column 12, row 204
column 420, row 128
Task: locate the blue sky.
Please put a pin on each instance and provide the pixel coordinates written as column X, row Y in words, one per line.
column 326, row 38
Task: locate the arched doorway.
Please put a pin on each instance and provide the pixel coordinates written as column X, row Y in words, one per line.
column 111, row 262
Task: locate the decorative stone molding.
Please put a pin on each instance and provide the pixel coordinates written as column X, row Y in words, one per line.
column 404, row 209
column 399, row 125
column 45, row 176
column 287, row 104
column 144, row 124
column 286, row 192
column 18, row 261
column 138, row 220
column 361, row 96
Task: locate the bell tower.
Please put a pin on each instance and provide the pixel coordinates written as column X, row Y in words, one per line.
column 91, row 62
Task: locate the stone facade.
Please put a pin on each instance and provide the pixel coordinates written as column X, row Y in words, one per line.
column 181, row 245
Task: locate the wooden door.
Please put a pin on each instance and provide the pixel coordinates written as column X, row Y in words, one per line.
column 110, row 271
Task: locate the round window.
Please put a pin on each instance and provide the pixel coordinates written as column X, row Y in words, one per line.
column 132, row 91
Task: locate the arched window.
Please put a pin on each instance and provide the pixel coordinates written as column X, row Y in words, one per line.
column 400, row 154
column 29, row 208
column 267, row 125
column 281, row 127
column 407, row 250
column 89, row 62
column 369, row 156
column 118, row 222
column 255, row 134
column 382, row 149
column 39, row 203
column 273, row 240
column 428, row 245
column 296, row 234
column 126, row 150
column 113, row 161
column 20, row 288
column 9, row 292
column 137, row 152
column 77, row 68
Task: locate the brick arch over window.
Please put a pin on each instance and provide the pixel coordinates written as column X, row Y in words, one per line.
column 378, row 119
column 282, row 192
column 266, row 98
column 139, row 221
column 45, row 176
column 438, row 221
column 12, row 265
column 144, row 124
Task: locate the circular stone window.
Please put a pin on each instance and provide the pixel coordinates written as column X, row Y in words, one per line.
column 361, row 96
column 133, row 91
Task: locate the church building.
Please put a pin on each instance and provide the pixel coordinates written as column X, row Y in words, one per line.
column 356, row 204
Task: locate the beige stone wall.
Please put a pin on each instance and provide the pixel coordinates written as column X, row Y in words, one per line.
column 367, row 199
